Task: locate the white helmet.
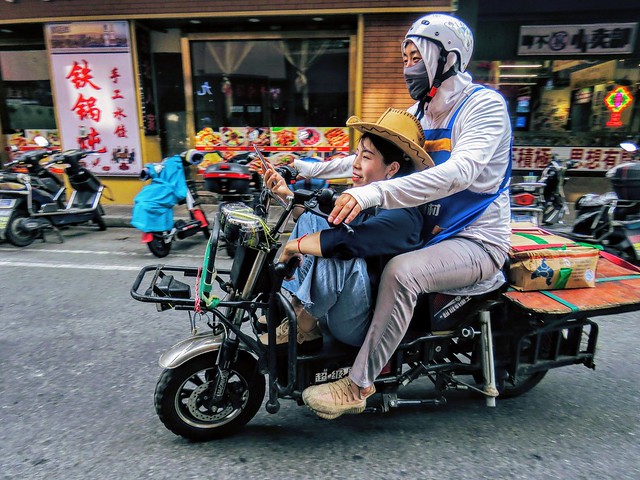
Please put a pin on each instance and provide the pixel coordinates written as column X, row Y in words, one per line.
column 449, row 32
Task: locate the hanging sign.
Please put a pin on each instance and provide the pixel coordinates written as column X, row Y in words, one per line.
column 95, row 93
column 601, row 38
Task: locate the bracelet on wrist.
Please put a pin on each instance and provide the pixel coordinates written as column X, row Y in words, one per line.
column 299, row 240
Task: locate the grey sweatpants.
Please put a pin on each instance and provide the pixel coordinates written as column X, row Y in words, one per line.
column 450, row 264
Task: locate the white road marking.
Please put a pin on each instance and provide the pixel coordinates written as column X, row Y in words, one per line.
column 70, row 265
column 102, row 252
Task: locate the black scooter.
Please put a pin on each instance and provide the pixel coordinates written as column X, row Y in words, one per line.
column 35, row 202
column 543, row 202
column 214, row 381
column 612, row 220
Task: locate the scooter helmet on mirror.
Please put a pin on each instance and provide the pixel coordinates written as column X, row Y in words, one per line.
column 450, row 33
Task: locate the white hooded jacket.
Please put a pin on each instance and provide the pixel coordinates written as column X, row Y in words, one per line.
column 481, row 152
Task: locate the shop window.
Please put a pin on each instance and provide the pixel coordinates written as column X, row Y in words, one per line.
column 171, row 110
column 25, row 95
column 578, row 109
column 279, row 93
column 585, row 102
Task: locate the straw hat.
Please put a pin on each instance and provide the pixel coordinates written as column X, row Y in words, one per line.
column 400, row 128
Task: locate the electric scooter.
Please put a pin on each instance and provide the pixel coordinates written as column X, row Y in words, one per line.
column 612, row 220
column 34, row 202
column 171, row 184
column 213, row 382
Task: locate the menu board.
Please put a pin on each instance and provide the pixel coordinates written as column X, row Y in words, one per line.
column 96, row 93
column 274, row 139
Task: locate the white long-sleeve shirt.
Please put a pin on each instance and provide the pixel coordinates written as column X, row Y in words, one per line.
column 481, row 152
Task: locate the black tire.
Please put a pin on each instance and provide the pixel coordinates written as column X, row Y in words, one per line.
column 99, row 221
column 158, row 246
column 181, row 391
column 523, row 384
column 15, row 235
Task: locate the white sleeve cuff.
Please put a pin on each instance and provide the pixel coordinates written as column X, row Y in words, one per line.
column 367, row 196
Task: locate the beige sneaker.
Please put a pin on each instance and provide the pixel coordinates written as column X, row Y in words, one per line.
column 307, row 341
column 330, row 400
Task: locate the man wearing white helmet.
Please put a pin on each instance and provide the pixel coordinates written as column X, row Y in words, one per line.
column 467, row 216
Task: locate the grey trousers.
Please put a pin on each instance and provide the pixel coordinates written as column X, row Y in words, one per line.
column 450, row 264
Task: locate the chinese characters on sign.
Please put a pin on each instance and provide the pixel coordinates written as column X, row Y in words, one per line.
column 604, row 38
column 592, row 159
column 96, row 93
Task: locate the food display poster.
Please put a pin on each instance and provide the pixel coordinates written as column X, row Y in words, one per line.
column 24, row 139
column 274, row 139
column 95, row 93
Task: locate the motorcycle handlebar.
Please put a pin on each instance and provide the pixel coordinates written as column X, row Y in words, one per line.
column 12, row 177
column 286, row 270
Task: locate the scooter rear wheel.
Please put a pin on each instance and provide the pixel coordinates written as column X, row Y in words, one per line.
column 15, row 234
column 183, row 397
column 522, row 385
column 158, row 246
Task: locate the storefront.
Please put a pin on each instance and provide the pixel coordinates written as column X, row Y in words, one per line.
column 141, row 85
column 572, row 91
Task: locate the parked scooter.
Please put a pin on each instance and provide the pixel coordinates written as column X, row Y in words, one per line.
column 543, row 202
column 35, row 202
column 234, row 180
column 171, row 184
column 612, row 220
column 214, row 382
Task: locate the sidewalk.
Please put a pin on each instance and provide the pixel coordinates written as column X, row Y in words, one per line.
column 120, row 215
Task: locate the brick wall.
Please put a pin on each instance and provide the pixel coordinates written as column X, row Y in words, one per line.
column 383, row 83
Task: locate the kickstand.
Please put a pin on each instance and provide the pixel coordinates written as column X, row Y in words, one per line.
column 56, row 230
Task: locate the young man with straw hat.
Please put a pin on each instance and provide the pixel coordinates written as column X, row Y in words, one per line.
column 466, row 224
column 337, row 279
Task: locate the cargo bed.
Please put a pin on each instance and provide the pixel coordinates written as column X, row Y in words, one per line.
column 617, row 290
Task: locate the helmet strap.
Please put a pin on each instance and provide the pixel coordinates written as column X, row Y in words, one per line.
column 437, row 81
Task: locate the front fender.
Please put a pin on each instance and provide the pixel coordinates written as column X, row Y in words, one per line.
column 189, row 348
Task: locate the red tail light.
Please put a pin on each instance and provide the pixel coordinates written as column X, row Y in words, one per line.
column 524, row 199
column 146, row 237
column 224, row 166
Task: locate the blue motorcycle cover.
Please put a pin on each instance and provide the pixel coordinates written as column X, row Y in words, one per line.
column 153, row 206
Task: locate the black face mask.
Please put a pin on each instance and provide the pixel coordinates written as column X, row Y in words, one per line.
column 417, row 80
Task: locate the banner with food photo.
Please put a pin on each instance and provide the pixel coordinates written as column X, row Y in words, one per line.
column 337, row 137
column 233, row 136
column 284, row 136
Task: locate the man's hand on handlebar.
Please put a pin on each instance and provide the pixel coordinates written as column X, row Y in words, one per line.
column 345, row 209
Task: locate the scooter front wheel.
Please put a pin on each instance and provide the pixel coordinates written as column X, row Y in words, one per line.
column 183, row 397
column 16, row 235
column 158, row 246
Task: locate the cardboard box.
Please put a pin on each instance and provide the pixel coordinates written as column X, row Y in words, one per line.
column 549, row 269
column 536, row 238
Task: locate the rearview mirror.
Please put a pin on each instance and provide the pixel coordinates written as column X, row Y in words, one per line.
column 41, row 141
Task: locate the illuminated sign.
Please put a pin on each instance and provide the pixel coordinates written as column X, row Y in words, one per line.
column 616, row 102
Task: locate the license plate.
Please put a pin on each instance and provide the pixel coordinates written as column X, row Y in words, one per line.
column 525, row 218
column 7, row 202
